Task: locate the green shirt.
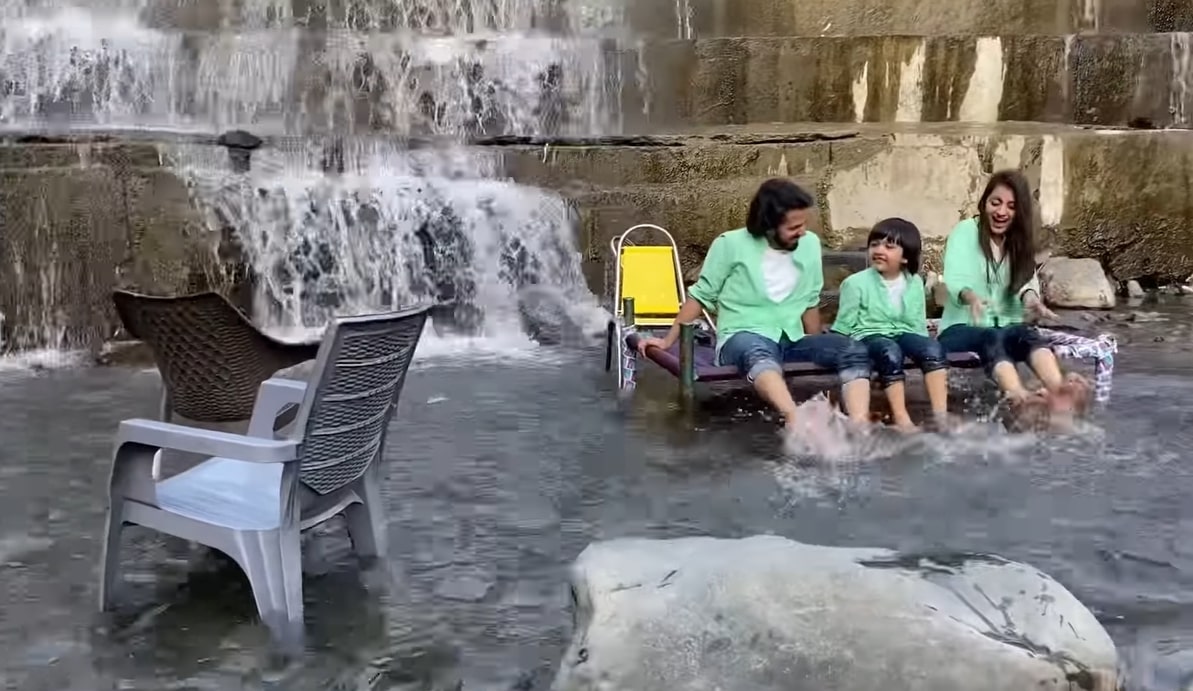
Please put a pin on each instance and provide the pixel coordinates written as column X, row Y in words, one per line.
column 966, row 268
column 731, row 285
column 866, row 310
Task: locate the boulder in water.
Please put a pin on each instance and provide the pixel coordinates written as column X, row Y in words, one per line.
column 766, row 613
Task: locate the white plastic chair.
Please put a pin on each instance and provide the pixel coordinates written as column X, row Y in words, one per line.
column 255, row 493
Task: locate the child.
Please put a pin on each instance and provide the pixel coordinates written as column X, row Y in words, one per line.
column 884, row 308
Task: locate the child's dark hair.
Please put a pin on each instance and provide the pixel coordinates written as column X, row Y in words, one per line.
column 902, row 233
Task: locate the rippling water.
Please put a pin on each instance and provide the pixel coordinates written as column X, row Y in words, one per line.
column 499, row 472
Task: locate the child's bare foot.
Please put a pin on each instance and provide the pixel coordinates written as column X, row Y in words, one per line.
column 945, row 422
column 904, row 424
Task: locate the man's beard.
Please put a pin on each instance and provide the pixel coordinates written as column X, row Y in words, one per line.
column 776, row 243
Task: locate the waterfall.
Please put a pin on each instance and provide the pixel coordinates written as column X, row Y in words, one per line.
column 381, row 226
column 1180, row 97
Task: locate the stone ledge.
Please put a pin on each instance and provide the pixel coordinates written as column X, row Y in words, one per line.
column 715, row 18
column 710, row 18
column 1122, row 79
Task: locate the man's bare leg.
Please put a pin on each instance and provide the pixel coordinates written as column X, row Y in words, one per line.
column 772, row 387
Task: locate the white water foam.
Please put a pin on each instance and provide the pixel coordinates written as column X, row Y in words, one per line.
column 827, row 457
column 351, row 243
column 40, row 359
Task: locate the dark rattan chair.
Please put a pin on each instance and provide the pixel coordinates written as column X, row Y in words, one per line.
column 211, row 357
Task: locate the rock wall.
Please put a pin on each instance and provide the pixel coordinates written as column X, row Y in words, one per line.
column 81, row 218
column 78, row 219
column 1095, row 79
column 1121, row 197
column 712, row 18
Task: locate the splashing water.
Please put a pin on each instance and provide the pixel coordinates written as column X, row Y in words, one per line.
column 828, row 457
column 396, row 229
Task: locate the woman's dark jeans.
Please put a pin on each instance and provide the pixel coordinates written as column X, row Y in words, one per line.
column 993, row 345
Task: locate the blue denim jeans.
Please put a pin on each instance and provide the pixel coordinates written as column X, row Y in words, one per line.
column 993, row 345
column 753, row 354
column 887, row 354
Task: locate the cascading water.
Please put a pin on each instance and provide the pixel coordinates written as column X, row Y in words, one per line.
column 373, row 225
column 1181, row 91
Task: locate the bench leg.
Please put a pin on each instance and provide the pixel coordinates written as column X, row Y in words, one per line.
column 687, row 364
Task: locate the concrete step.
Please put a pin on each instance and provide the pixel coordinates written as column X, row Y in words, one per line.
column 1118, row 195
column 1142, row 80
column 688, row 18
column 718, row 18
column 311, row 81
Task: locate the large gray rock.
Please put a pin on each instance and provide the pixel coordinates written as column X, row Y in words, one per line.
column 766, row 613
column 1076, row 283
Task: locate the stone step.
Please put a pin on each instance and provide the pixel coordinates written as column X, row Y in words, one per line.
column 310, row 81
column 688, row 18
column 718, row 18
column 1120, row 196
column 1142, row 80
column 303, row 80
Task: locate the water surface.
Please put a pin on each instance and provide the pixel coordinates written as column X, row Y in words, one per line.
column 500, row 470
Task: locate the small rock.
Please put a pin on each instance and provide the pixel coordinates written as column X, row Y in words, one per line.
column 1134, row 290
column 1076, row 283
column 464, row 588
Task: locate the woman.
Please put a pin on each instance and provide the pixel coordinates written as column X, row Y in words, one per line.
column 990, row 274
column 763, row 282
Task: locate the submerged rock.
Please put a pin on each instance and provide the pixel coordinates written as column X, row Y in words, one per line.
column 1076, row 283
column 767, row 613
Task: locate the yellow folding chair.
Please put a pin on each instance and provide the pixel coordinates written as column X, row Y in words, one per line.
column 651, row 276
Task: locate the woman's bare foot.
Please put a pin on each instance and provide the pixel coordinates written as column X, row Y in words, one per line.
column 1080, row 389
column 1029, row 411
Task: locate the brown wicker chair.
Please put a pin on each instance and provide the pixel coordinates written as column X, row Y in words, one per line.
column 211, row 357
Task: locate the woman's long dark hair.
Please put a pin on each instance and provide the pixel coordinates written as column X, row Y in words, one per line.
column 1019, row 246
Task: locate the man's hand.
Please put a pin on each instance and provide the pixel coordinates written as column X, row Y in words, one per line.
column 660, row 343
